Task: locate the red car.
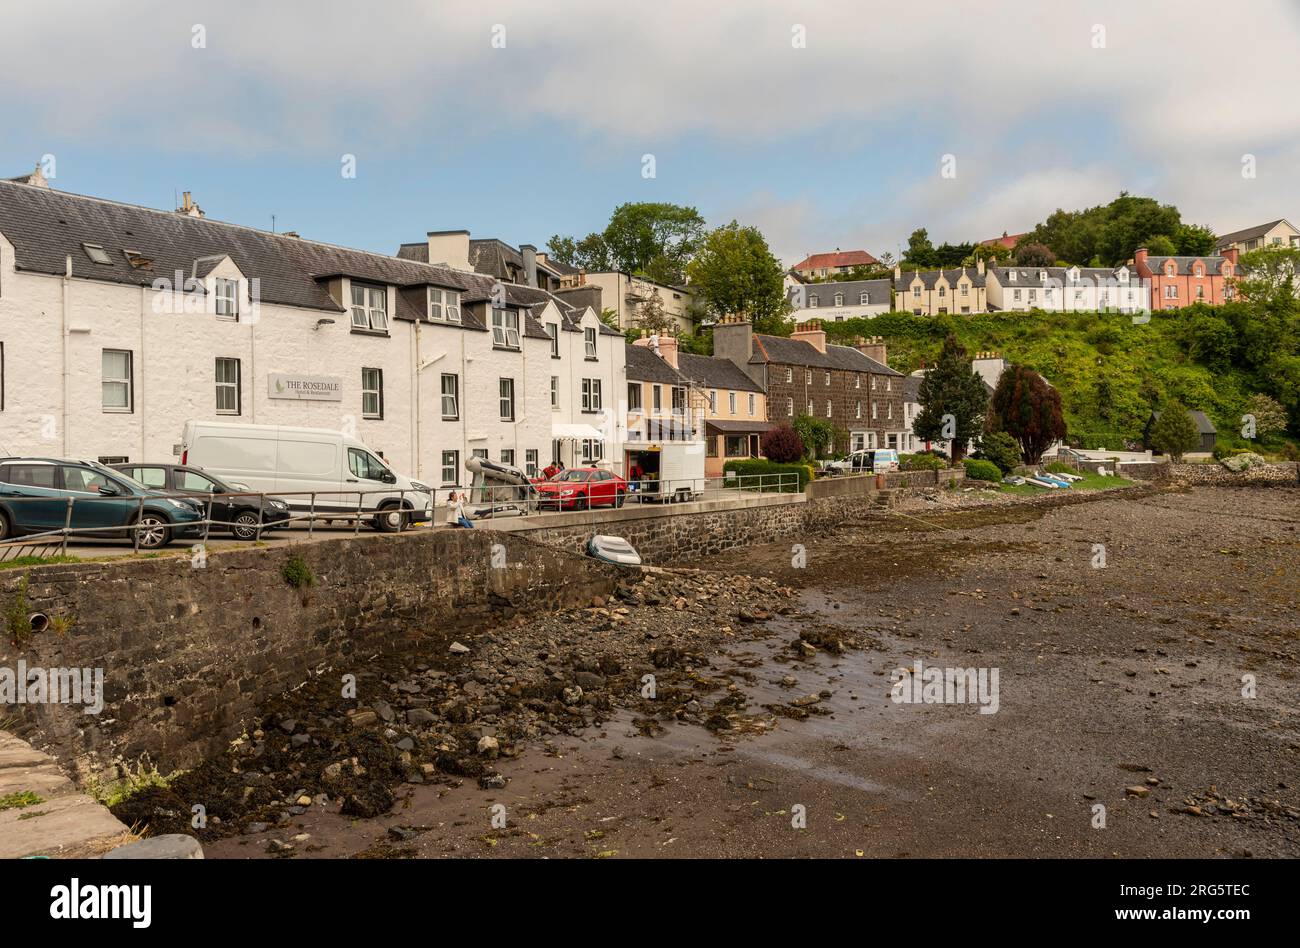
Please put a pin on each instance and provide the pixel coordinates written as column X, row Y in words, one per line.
column 581, row 488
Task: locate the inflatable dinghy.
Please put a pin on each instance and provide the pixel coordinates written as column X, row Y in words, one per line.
column 614, row 550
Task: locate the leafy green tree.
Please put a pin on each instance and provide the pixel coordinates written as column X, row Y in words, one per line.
column 650, row 239
column 1193, row 240
column 817, row 434
column 735, row 273
column 1174, row 433
column 1002, row 449
column 1107, row 233
column 920, row 254
column 953, row 400
column 1027, row 408
column 1269, row 415
column 1161, row 246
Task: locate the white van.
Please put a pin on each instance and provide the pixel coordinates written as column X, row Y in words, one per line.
column 295, row 463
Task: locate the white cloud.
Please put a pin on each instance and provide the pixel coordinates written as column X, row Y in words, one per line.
column 1174, row 100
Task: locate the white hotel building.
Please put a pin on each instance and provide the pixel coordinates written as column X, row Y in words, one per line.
column 427, row 363
column 1067, row 289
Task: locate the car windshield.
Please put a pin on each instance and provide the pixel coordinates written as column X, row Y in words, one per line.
column 571, row 476
column 119, row 477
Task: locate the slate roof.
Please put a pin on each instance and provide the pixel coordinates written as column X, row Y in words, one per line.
column 930, row 277
column 912, row 388
column 644, row 366
column 1257, row 231
column 877, row 292
column 715, row 372
column 1032, row 276
column 46, row 226
column 1183, row 265
column 786, row 351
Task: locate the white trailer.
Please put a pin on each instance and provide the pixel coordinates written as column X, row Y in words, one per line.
column 671, row 471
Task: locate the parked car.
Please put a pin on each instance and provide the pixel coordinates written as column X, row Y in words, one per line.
column 329, row 464
column 231, row 511
column 34, row 495
column 581, row 488
column 867, row 461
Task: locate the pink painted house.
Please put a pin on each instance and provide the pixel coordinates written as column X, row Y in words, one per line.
column 1182, row 281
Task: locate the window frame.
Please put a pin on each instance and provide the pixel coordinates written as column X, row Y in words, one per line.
column 454, row 395
column 377, row 391
column 231, row 301
column 128, row 381
column 367, row 308
column 506, row 399
column 237, row 385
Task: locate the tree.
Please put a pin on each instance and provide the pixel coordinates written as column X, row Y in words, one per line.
column 1109, row 233
column 654, row 240
column 1193, row 240
column 817, row 434
column 651, row 316
column 1034, row 255
column 920, row 253
column 1027, row 408
column 1002, row 449
column 734, row 273
column 1173, row 432
column 1161, row 246
column 781, row 443
column 1268, row 413
column 953, row 400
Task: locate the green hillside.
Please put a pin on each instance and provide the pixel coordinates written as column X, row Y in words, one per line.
column 1111, row 372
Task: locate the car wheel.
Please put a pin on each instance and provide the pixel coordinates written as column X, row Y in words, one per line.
column 5, row 528
column 391, row 520
column 153, row 531
column 244, row 526
column 618, row 499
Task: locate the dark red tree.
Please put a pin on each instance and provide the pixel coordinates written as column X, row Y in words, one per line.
column 1027, row 408
column 782, row 444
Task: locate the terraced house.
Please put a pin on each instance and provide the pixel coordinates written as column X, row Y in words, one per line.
column 118, row 323
column 850, row 386
column 930, row 292
column 1067, row 289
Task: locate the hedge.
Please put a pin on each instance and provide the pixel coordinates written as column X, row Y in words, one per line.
column 763, row 466
column 921, row 462
column 977, row 470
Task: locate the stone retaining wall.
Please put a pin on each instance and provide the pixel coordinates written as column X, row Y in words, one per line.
column 1286, row 473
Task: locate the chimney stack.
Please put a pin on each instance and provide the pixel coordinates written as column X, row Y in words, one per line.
column 812, row 333
column 873, row 348
column 529, row 253
column 450, row 247
column 188, row 207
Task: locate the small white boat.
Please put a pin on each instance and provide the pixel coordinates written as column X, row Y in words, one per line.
column 614, row 550
column 1039, row 482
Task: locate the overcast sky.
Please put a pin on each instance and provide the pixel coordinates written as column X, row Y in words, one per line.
column 838, row 141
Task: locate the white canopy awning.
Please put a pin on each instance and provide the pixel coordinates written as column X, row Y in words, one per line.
column 575, row 432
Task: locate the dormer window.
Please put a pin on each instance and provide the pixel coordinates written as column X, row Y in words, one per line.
column 1011, row 276
column 226, row 297
column 589, row 341
column 444, row 305
column 839, row 299
column 1200, row 270
column 1074, row 276
column 1042, row 276
column 813, row 300
column 505, row 328
column 863, row 299
column 97, row 254
column 1123, row 276
column 1170, row 268
column 369, row 307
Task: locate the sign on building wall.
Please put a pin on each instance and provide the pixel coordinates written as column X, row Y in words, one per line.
column 313, row 388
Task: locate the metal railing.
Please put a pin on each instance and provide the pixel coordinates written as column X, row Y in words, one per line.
column 494, row 501
column 69, row 518
column 128, row 520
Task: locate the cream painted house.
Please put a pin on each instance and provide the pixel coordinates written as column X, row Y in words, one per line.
column 930, row 292
column 627, row 295
column 1278, row 233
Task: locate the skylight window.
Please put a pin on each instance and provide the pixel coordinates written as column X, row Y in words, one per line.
column 97, row 254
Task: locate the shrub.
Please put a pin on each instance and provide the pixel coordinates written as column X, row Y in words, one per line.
column 297, row 573
column 755, row 466
column 1002, row 449
column 921, row 462
column 977, row 470
column 1174, row 433
column 782, row 444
